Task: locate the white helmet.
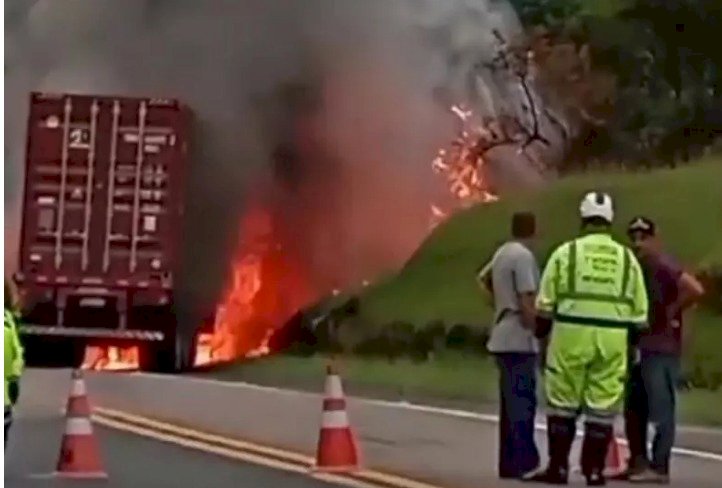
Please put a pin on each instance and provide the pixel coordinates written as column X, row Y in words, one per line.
column 597, row 204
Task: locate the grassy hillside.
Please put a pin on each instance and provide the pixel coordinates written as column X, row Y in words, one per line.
column 438, row 282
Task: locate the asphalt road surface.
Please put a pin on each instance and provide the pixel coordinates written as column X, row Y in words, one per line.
column 130, row 461
column 440, row 449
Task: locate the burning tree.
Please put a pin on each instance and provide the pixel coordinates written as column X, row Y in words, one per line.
column 464, row 162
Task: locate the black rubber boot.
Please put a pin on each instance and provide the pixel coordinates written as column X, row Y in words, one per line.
column 560, row 435
column 594, row 452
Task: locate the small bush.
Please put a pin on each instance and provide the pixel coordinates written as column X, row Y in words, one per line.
column 704, row 378
column 374, row 346
column 429, row 340
column 399, row 339
column 711, row 278
column 479, row 339
column 459, row 337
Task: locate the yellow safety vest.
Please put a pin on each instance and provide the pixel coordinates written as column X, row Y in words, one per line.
column 594, row 280
column 18, row 363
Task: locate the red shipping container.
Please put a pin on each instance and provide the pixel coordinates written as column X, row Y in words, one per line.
column 102, row 210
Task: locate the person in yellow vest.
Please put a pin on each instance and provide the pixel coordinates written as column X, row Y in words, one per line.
column 14, row 362
column 592, row 296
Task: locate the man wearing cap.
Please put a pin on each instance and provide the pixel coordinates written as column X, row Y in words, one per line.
column 512, row 278
column 651, row 389
column 591, row 294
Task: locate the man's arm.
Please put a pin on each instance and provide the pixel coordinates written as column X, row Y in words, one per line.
column 526, row 271
column 483, row 278
column 638, row 293
column 546, row 299
column 19, row 362
column 689, row 292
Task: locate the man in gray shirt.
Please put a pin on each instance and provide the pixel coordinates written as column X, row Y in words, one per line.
column 512, row 277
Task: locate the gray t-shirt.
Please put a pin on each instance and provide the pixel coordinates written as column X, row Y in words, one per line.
column 514, row 271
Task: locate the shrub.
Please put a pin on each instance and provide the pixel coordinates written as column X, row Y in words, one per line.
column 479, row 339
column 712, row 280
column 399, row 339
column 375, row 345
column 428, row 340
column 705, row 377
column 459, row 337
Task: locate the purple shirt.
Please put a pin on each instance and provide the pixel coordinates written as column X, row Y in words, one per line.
column 661, row 275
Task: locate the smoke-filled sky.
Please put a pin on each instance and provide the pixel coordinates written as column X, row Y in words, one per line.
column 375, row 78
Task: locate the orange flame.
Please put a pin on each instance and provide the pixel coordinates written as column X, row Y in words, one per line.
column 252, row 308
column 254, row 304
column 462, row 165
column 265, row 290
column 111, row 358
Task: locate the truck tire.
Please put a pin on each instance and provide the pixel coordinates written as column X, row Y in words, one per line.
column 52, row 352
column 158, row 357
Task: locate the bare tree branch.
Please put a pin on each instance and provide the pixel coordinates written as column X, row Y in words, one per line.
column 515, row 62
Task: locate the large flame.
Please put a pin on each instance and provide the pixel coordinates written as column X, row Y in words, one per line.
column 462, row 165
column 265, row 291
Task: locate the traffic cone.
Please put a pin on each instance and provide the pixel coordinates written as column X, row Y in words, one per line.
column 79, row 452
column 617, row 456
column 337, row 447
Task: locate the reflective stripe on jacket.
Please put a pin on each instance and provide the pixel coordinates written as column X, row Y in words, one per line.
column 593, row 280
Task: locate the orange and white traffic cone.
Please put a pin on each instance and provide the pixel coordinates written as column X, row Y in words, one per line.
column 337, row 447
column 79, row 451
column 617, row 456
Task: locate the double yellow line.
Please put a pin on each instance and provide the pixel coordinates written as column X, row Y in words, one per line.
column 244, row 451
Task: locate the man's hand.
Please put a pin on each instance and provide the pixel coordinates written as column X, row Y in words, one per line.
column 528, row 311
column 483, row 278
column 690, row 292
column 543, row 327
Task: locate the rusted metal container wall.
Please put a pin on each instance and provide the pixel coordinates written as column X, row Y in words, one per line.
column 103, row 198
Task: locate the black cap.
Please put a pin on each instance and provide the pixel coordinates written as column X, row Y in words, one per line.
column 643, row 225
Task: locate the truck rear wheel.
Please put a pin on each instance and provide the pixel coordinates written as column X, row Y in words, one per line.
column 159, row 357
column 53, row 352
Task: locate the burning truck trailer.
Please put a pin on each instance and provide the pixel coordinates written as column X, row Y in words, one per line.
column 101, row 231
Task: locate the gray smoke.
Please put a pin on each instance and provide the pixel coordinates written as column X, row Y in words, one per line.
column 355, row 91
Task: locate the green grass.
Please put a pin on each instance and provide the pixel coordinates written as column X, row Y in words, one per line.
column 467, row 382
column 450, row 378
column 459, row 380
column 438, row 282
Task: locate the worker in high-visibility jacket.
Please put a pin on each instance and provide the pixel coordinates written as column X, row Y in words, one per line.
column 14, row 361
column 591, row 297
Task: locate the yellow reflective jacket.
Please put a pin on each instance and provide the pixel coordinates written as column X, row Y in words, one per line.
column 593, row 280
column 14, row 362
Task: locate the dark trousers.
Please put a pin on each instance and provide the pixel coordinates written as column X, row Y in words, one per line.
column 652, row 397
column 636, row 417
column 517, row 393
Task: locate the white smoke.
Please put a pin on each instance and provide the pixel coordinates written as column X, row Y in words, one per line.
column 385, row 71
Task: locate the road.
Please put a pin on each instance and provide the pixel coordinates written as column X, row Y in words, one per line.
column 438, row 449
column 130, row 460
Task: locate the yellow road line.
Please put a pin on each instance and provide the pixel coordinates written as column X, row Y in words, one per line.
column 245, row 451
